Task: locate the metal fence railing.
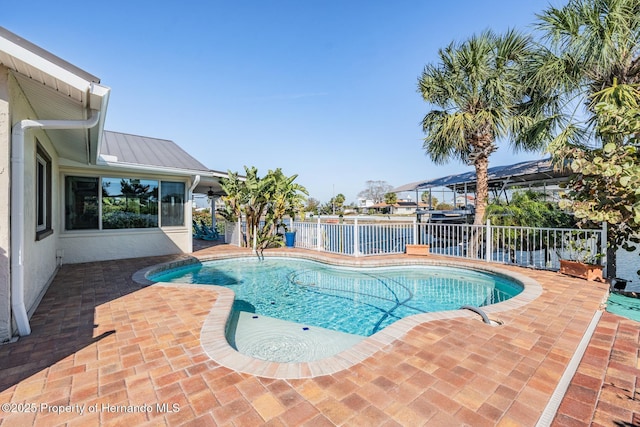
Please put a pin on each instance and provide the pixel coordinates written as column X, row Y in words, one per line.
column 367, row 236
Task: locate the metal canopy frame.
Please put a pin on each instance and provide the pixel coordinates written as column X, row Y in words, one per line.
column 530, row 173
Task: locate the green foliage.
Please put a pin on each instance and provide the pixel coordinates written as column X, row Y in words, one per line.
column 425, row 198
column 264, row 202
column 335, row 206
column 204, row 216
column 605, row 185
column 576, row 247
column 528, row 209
column 312, row 205
column 124, row 219
column 391, row 198
column 444, row 206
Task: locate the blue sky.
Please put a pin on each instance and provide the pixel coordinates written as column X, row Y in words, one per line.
column 322, row 89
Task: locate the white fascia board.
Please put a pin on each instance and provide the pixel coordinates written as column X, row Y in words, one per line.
column 99, row 94
column 218, row 174
column 221, row 174
column 104, row 161
column 47, row 67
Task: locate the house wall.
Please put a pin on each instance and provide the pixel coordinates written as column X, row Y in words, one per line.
column 5, row 192
column 39, row 257
column 102, row 245
column 121, row 244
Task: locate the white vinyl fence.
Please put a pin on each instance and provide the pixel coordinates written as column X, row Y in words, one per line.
column 366, row 236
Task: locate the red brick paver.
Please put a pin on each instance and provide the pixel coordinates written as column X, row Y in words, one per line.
column 109, row 351
column 605, row 390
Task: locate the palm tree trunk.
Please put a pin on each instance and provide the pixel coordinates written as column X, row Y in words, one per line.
column 482, row 188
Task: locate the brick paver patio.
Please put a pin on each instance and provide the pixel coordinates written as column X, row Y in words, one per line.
column 106, row 350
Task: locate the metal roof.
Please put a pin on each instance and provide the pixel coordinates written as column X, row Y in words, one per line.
column 162, row 155
column 534, row 173
column 146, row 151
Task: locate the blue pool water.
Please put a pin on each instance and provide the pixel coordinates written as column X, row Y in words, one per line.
column 358, row 301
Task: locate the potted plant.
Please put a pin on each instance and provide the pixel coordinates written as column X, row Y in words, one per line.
column 580, row 259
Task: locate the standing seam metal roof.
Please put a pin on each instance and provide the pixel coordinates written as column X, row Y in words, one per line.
column 142, row 150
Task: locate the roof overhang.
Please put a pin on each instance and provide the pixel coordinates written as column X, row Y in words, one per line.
column 57, row 90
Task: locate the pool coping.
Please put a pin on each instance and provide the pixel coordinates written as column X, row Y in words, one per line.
column 213, row 332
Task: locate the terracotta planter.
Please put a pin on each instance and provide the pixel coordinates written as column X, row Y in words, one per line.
column 581, row 270
column 417, row 249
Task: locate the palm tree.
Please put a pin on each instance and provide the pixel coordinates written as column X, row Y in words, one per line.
column 476, row 87
column 591, row 45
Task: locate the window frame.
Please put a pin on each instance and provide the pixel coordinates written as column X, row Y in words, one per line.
column 43, row 193
column 101, row 176
column 160, row 203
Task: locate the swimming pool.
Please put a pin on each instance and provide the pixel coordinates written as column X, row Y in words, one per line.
column 353, row 300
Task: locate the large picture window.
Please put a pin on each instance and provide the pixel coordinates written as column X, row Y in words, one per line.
column 109, row 203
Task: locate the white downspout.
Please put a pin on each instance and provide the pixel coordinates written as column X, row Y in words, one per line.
column 196, row 181
column 17, row 208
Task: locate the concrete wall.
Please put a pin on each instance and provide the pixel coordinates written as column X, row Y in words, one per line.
column 5, row 193
column 120, row 244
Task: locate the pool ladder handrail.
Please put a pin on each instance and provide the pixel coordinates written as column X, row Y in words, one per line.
column 477, row 310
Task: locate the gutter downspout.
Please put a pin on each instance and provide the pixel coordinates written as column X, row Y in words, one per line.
column 196, row 181
column 17, row 208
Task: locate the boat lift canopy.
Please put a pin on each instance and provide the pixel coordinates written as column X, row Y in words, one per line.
column 533, row 173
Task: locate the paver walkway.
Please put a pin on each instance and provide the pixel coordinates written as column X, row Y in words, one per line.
column 605, row 390
column 106, row 350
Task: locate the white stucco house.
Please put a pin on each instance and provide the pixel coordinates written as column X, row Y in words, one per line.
column 72, row 192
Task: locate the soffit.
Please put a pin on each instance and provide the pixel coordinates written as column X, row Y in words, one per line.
column 48, row 104
column 43, row 67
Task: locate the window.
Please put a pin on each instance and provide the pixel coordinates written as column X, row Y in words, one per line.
column 81, row 209
column 94, row 203
column 129, row 203
column 43, row 194
column 172, row 203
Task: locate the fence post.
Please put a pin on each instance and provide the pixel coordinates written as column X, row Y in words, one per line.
column 356, row 238
column 318, row 235
column 604, row 248
column 488, row 241
column 415, row 232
